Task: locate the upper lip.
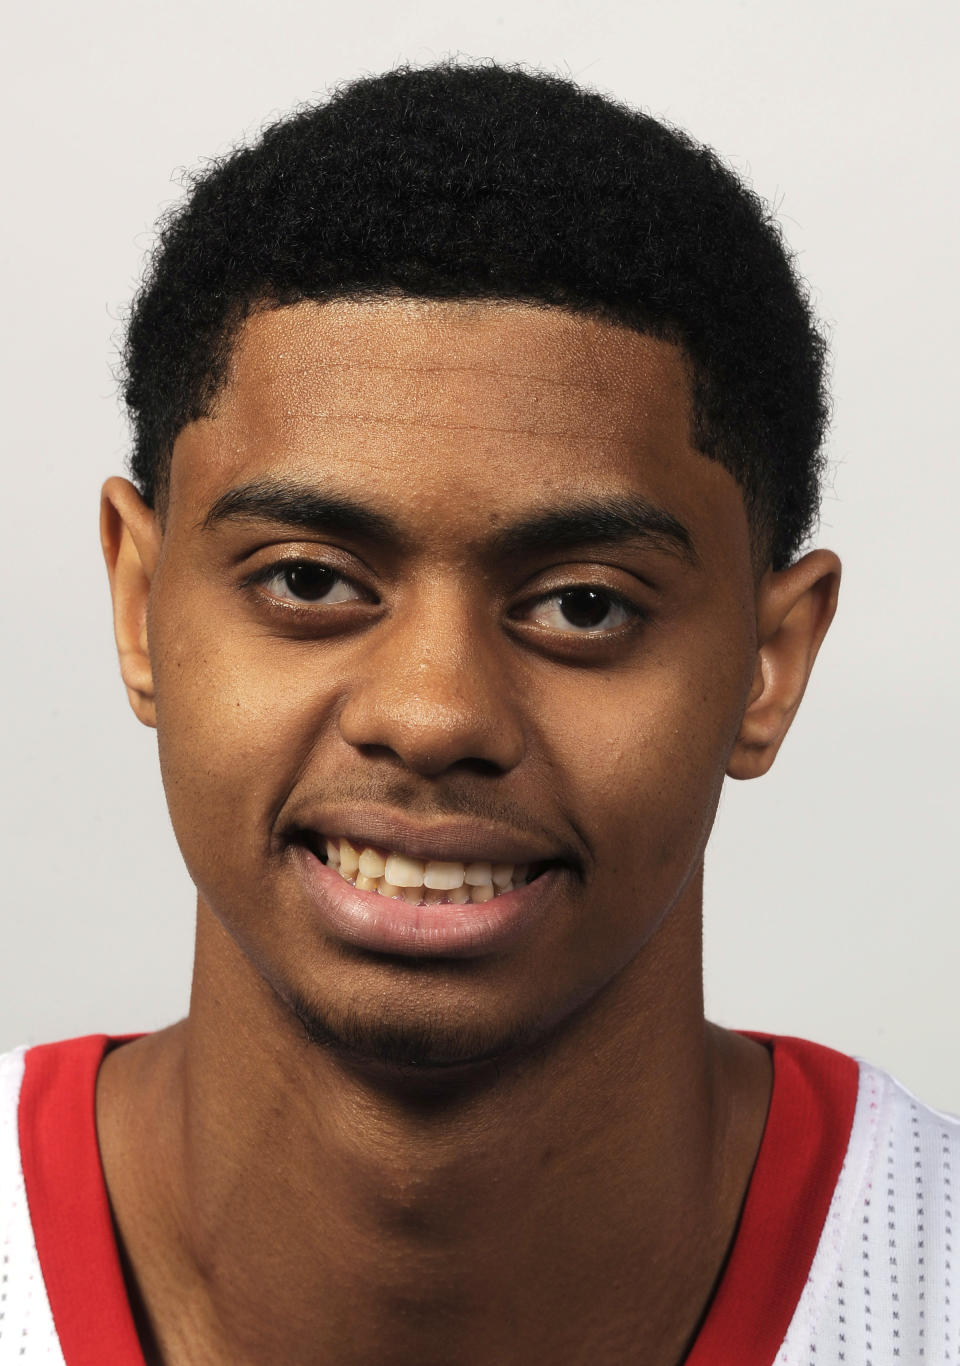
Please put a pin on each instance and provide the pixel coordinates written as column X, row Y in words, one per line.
column 449, row 840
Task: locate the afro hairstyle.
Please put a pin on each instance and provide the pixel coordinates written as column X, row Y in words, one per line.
column 493, row 182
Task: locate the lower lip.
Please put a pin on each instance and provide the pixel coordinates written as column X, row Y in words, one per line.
column 385, row 924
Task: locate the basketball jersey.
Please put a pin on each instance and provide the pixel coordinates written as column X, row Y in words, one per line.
column 842, row 1254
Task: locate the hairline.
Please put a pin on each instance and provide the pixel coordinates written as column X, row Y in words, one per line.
column 761, row 538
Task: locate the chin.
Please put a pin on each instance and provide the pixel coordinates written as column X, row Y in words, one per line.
column 411, row 1045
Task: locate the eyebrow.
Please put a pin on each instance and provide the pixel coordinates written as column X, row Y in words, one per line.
column 300, row 506
column 618, row 520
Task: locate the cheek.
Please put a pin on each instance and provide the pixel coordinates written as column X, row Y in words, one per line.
column 233, row 729
column 643, row 761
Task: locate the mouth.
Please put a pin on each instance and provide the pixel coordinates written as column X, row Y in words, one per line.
column 421, row 882
column 450, row 893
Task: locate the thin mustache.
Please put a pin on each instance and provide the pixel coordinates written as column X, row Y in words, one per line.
column 440, row 801
column 443, row 801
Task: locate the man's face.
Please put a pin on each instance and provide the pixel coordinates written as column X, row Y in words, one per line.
column 450, row 579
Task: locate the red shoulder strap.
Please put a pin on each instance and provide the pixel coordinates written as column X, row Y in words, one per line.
column 804, row 1143
column 69, row 1208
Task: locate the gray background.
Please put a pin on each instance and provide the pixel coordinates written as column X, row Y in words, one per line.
column 831, row 898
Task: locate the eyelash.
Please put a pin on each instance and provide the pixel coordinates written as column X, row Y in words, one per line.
column 635, row 613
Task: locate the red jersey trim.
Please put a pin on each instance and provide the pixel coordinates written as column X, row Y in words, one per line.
column 801, row 1153
column 69, row 1208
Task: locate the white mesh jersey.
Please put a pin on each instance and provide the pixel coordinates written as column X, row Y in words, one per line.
column 843, row 1252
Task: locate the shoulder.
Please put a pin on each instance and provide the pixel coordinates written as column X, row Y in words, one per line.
column 879, row 1286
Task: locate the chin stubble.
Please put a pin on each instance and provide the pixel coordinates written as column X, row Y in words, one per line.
column 426, row 1043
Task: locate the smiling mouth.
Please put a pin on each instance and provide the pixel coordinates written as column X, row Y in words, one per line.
column 419, row 882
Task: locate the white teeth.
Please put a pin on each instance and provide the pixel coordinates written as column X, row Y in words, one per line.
column 372, row 864
column 429, row 882
column 476, row 874
column 403, row 872
column 444, row 876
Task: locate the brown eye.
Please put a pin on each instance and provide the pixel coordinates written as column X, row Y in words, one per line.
column 303, row 581
column 582, row 608
column 309, row 581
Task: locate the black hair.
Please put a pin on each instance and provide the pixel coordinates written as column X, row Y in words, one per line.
column 494, row 182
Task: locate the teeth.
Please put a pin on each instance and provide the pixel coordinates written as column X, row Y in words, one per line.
column 403, row 872
column 476, row 874
column 430, row 883
column 372, row 864
column 349, row 859
column 444, row 876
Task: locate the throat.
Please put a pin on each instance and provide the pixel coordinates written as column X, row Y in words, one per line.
column 273, row 1206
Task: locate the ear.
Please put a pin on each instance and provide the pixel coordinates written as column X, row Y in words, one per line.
column 795, row 607
column 130, row 536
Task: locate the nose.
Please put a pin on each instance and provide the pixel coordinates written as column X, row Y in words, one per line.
column 434, row 690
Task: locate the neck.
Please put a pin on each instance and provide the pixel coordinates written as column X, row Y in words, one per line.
column 313, row 1209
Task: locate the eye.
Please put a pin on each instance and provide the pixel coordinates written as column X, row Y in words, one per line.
column 302, row 581
column 582, row 609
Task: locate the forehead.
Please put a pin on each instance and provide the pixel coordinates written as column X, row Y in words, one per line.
column 500, row 402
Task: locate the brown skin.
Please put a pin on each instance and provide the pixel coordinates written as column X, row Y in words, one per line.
column 573, row 1198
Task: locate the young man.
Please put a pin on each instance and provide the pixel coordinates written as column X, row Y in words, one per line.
column 477, row 428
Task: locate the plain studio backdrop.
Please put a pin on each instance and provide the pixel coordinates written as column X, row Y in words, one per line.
column 831, row 908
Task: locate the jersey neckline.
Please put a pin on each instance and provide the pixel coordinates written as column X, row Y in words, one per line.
column 798, row 1163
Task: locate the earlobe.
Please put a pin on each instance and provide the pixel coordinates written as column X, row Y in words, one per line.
column 795, row 607
column 130, row 537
